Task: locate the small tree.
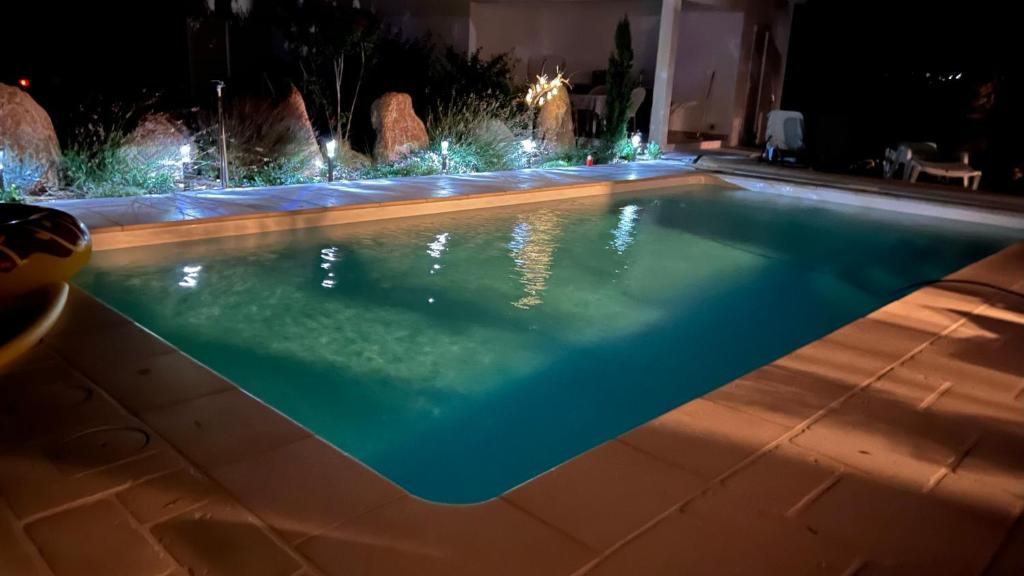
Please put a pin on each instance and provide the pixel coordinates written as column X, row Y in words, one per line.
column 620, row 85
column 325, row 35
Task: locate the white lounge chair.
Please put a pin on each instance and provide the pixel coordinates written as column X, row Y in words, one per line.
column 960, row 170
column 897, row 159
column 784, row 136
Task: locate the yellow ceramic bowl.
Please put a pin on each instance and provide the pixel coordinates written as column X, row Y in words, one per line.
column 38, row 247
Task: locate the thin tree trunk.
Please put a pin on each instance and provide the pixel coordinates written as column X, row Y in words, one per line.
column 355, row 96
column 339, row 73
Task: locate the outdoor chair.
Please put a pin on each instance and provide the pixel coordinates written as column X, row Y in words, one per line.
column 784, row 137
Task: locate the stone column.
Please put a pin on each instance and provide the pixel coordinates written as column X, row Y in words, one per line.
column 664, row 71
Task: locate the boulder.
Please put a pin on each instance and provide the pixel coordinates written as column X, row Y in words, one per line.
column 156, row 142
column 31, row 150
column 304, row 149
column 399, row 130
column 554, row 123
column 493, row 130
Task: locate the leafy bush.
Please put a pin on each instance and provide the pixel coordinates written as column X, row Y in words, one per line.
column 9, row 193
column 654, row 151
column 94, row 163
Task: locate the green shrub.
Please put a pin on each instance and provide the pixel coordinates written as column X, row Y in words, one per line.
column 9, row 193
column 654, row 151
column 101, row 169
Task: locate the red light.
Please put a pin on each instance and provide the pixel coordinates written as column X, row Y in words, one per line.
column 23, row 82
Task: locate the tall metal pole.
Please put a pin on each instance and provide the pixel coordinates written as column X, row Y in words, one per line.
column 223, row 136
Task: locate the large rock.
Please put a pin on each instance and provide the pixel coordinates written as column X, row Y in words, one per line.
column 493, row 130
column 304, row 149
column 32, row 153
column 399, row 130
column 554, row 123
column 156, row 143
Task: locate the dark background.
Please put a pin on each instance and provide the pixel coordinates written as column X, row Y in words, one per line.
column 865, row 73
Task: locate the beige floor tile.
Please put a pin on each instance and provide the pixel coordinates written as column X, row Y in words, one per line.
column 167, row 495
column 147, row 383
column 303, row 488
column 33, row 483
column 222, row 428
column 18, row 556
column 905, row 530
column 717, row 535
column 83, row 312
column 413, row 537
column 52, row 400
column 96, row 538
column 220, row 539
column 1009, row 560
column 933, row 309
column 35, row 357
column 97, row 353
column 703, row 437
column 782, row 479
column 605, row 494
column 997, row 462
column 887, row 438
column 781, row 395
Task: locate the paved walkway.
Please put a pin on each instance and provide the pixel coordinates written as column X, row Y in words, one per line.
column 101, row 214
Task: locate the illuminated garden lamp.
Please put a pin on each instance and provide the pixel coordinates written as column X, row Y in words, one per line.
column 332, row 147
column 23, row 82
column 636, row 140
column 444, row 156
column 185, row 150
column 529, row 147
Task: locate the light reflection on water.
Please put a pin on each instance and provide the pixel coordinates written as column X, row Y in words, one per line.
column 625, row 232
column 534, row 240
column 329, row 257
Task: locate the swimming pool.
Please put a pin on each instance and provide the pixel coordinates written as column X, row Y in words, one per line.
column 462, row 354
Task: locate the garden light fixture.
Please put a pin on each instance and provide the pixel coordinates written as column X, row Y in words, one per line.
column 444, row 156
column 636, row 140
column 223, row 135
column 185, row 150
column 332, row 147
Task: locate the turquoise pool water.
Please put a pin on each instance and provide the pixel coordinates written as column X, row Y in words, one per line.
column 460, row 355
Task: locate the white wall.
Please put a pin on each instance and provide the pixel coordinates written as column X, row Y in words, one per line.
column 447, row 21
column 708, row 40
column 582, row 32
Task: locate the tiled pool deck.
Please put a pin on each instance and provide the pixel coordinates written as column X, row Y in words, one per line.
column 892, row 446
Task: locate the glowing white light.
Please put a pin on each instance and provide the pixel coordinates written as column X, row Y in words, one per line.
column 623, row 233
column 637, row 139
column 332, row 254
column 186, row 153
column 444, row 147
column 191, row 279
column 331, row 147
column 529, row 146
column 430, row 300
column 438, row 246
